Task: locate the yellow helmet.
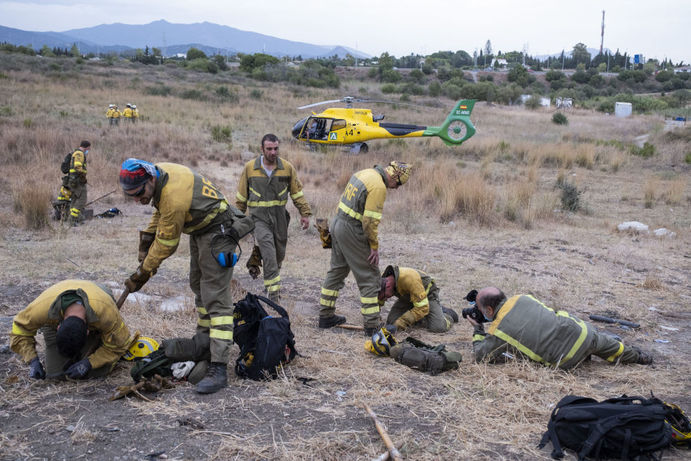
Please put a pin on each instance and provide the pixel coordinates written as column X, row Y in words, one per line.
column 381, row 343
column 141, row 347
column 400, row 171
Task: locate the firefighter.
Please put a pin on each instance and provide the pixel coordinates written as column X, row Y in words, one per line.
column 135, row 113
column 264, row 187
column 355, row 242
column 72, row 193
column 522, row 325
column 84, row 333
column 127, row 113
column 417, row 300
column 110, row 114
column 186, row 202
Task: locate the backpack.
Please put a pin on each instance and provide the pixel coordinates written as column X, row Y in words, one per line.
column 265, row 342
column 425, row 357
column 66, row 162
column 623, row 428
column 156, row 363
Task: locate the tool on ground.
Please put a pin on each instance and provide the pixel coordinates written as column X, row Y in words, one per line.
column 154, row 384
column 345, row 326
column 393, row 451
column 626, row 323
column 123, row 297
column 101, row 197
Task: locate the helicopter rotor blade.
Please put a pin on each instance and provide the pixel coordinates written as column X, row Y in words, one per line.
column 320, row 103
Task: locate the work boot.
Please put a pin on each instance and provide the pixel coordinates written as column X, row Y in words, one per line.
column 216, row 379
column 451, row 313
column 644, row 358
column 328, row 322
column 369, row 331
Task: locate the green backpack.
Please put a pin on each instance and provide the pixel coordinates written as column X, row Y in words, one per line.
column 156, row 363
column 425, row 357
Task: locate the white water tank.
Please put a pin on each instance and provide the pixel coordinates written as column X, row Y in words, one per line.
column 623, row 109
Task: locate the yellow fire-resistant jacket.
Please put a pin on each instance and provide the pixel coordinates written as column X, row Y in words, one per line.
column 525, row 325
column 102, row 316
column 77, row 172
column 185, row 201
column 266, row 196
column 414, row 287
column 135, row 113
column 110, row 113
column 127, row 113
column 363, row 201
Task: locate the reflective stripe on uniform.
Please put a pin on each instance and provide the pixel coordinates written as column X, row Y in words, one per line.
column 74, row 212
column 272, row 281
column 373, row 214
column 240, row 197
column 202, row 310
column 501, row 335
column 579, row 342
column 222, row 207
column 19, row 331
column 221, row 320
column 204, row 323
column 373, row 300
column 370, row 310
column 327, row 303
column 220, row 334
column 268, row 203
column 297, row 195
column 478, row 337
column 327, row 292
column 421, row 303
column 349, row 211
column 168, row 243
column 616, row 354
column 255, row 192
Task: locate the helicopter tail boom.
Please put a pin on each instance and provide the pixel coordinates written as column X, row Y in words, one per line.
column 457, row 128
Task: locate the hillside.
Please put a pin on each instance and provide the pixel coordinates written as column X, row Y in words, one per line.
column 490, row 212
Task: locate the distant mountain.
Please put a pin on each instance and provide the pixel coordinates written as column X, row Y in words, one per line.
column 172, row 39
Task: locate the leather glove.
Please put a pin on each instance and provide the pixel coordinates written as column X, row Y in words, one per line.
column 182, row 369
column 137, row 280
column 37, row 371
column 255, row 262
column 146, row 239
column 78, row 370
column 322, row 226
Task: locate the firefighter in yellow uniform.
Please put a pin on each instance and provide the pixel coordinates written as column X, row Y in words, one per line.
column 417, row 300
column 72, row 193
column 110, row 114
column 186, row 202
column 355, row 242
column 84, row 333
column 135, row 113
column 127, row 113
column 522, row 325
column 264, row 187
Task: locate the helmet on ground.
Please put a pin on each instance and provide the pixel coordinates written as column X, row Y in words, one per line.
column 680, row 425
column 142, row 347
column 381, row 343
column 399, row 170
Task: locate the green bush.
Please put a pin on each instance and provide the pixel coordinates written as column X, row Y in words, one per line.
column 158, row 90
column 570, row 197
column 227, row 95
column 222, row 133
column 560, row 119
column 256, row 94
column 687, row 159
column 6, row 111
column 533, row 102
column 193, row 94
column 435, row 89
column 388, row 88
column 648, row 150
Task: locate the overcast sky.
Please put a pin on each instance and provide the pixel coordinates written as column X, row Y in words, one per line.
column 657, row 28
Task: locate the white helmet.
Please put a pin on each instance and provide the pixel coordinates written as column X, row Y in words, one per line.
column 134, row 106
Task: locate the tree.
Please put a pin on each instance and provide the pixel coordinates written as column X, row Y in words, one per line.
column 580, row 54
column 195, row 53
column 46, row 52
column 488, row 51
column 74, row 51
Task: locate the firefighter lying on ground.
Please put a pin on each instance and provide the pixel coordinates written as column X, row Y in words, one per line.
column 522, row 325
column 417, row 302
column 83, row 330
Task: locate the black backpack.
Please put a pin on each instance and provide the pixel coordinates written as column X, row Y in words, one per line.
column 623, row 428
column 66, row 162
column 156, row 363
column 265, row 342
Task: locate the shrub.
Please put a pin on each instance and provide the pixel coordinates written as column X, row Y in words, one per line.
column 6, row 111
column 158, row 90
column 648, row 150
column 256, row 94
column 533, row 102
column 227, row 95
column 388, row 88
column 687, row 159
column 570, row 196
column 222, row 133
column 193, row 94
column 30, row 200
column 560, row 119
column 435, row 89
column 195, row 53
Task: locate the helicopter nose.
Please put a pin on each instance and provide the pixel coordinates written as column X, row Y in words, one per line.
column 298, row 128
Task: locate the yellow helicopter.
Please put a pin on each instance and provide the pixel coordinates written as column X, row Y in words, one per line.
column 353, row 126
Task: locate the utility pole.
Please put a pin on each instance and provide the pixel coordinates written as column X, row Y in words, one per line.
column 602, row 34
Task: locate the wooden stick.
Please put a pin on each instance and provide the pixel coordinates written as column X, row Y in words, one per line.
column 383, row 457
column 350, row 327
column 122, row 298
column 395, row 454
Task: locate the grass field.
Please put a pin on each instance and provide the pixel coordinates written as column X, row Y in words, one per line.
column 526, row 205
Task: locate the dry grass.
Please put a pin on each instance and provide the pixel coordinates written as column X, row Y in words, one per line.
column 478, row 215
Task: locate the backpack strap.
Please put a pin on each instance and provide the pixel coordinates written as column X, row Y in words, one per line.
column 551, row 433
column 273, row 305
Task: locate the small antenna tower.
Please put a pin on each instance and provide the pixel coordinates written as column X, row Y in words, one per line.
column 602, row 34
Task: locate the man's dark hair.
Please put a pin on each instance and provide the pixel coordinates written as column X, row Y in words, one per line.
column 71, row 336
column 492, row 299
column 85, row 144
column 269, row 137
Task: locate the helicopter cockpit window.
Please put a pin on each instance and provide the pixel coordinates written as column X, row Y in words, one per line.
column 317, row 128
column 338, row 125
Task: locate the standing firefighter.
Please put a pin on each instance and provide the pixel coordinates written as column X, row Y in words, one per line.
column 187, row 202
column 127, row 113
column 264, row 187
column 84, row 333
column 417, row 300
column 354, row 233
column 72, row 193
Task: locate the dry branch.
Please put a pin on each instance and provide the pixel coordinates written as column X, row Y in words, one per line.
column 393, row 451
